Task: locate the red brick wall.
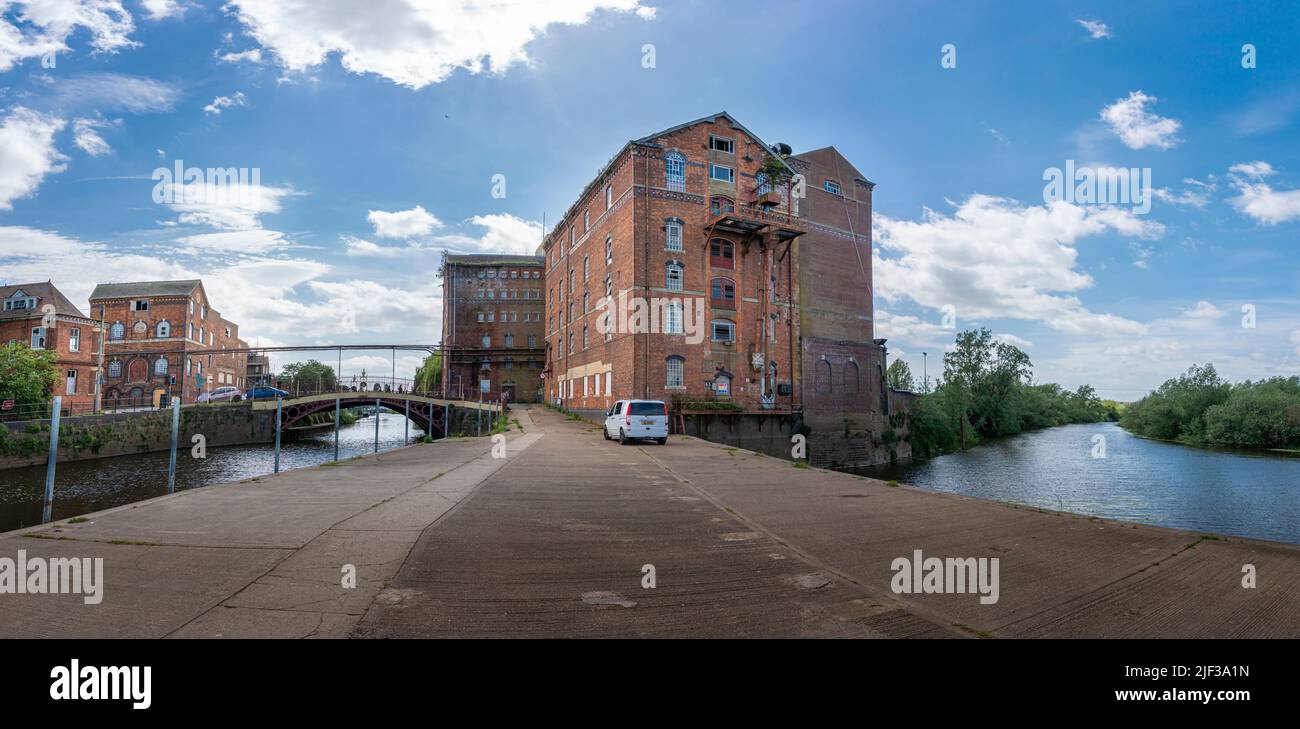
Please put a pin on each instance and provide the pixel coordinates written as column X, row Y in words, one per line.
column 59, row 338
column 512, row 311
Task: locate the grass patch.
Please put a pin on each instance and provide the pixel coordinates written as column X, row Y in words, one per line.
column 134, row 542
column 800, row 464
column 78, row 520
column 893, row 483
column 41, row 535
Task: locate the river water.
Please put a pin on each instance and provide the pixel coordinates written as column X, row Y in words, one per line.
column 81, row 487
column 1139, row 480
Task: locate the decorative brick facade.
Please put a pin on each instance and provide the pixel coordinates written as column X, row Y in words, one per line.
column 164, row 336
column 492, row 326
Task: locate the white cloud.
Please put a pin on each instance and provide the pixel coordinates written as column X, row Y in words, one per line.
column 1257, row 199
column 360, row 247
column 1137, row 127
column 229, row 206
column 404, row 223
column 225, row 102
column 1295, row 339
column 162, row 9
column 113, row 92
column 87, row 138
column 505, row 234
column 1013, row 340
column 1095, row 28
column 408, row 42
column 1204, row 310
column 996, row 258
column 1196, row 194
column 253, row 241
column 252, row 55
column 27, row 153
column 45, row 26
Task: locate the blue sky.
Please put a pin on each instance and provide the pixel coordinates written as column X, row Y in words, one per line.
column 376, row 136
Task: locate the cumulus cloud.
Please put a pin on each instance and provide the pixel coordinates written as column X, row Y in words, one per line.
column 35, row 28
column 1196, row 194
column 225, row 102
column 1204, row 310
column 996, row 258
column 503, row 233
column 27, row 153
column 412, row 43
column 1257, row 199
column 1096, row 29
column 403, row 223
column 1136, row 126
column 162, row 9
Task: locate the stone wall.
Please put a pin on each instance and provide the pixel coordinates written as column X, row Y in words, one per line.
column 26, row 443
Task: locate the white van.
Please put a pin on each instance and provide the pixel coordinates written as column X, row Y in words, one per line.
column 631, row 419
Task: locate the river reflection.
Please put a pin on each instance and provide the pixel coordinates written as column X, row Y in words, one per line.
column 1249, row 495
column 85, row 486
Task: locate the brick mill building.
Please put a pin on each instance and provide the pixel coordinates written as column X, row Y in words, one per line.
column 755, row 264
column 39, row 316
column 164, row 337
column 492, row 312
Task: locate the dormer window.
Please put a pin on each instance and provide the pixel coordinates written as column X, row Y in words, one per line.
column 20, row 302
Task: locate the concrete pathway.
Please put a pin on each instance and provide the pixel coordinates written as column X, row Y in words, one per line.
column 558, row 538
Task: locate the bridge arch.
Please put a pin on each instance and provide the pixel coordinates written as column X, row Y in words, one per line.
column 427, row 413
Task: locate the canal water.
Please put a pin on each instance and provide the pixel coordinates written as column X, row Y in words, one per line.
column 84, row 486
column 1139, row 480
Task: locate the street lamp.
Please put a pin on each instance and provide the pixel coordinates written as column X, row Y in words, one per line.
column 925, row 371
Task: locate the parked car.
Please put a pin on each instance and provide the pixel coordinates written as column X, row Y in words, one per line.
column 635, row 419
column 263, row 392
column 222, row 394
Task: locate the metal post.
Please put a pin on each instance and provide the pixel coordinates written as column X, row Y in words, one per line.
column 48, row 511
column 337, row 403
column 478, row 415
column 279, row 407
column 406, row 434
column 446, row 419
column 376, row 425
column 176, row 434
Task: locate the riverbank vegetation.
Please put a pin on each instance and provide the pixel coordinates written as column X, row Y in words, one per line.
column 27, row 376
column 1201, row 408
column 987, row 391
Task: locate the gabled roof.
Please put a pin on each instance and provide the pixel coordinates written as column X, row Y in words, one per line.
column 145, row 288
column 712, row 119
column 840, row 161
column 45, row 293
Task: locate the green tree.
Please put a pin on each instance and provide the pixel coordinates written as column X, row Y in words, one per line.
column 428, row 378
column 309, row 376
column 27, row 376
column 900, row 376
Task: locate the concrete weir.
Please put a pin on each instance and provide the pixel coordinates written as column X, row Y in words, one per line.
column 563, row 534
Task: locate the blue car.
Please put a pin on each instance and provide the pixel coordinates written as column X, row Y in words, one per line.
column 262, row 392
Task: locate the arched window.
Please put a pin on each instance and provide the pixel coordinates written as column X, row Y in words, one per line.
column 723, row 292
column 723, row 330
column 822, row 383
column 722, row 253
column 160, row 366
column 673, row 276
column 675, row 171
column 720, row 205
column 586, row 306
column 676, row 371
column 609, row 248
column 115, row 368
column 117, row 331
column 164, row 330
column 673, row 234
column 672, row 313
column 851, row 378
column 586, row 269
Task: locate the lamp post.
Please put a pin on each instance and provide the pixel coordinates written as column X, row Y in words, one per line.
column 925, row 370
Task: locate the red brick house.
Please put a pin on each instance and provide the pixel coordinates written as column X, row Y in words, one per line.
column 164, row 336
column 768, row 252
column 40, row 316
column 492, row 326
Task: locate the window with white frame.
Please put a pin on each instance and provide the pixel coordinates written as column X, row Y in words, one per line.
column 140, row 305
column 74, row 340
column 38, row 338
column 115, row 369
column 487, row 340
column 673, row 317
column 163, row 330
column 673, row 276
column 609, row 248
column 831, row 186
column 676, row 371
column 722, row 173
column 586, row 220
column 673, row 234
column 675, row 171
column 722, row 144
column 160, row 366
column 116, row 331
column 723, row 330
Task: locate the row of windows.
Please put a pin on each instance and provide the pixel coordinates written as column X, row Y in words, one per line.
column 516, row 294
column 509, row 316
column 163, row 330
column 40, row 336
column 504, row 273
column 509, row 341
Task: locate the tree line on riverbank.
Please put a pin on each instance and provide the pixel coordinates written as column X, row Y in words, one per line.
column 987, row 391
column 1201, row 408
